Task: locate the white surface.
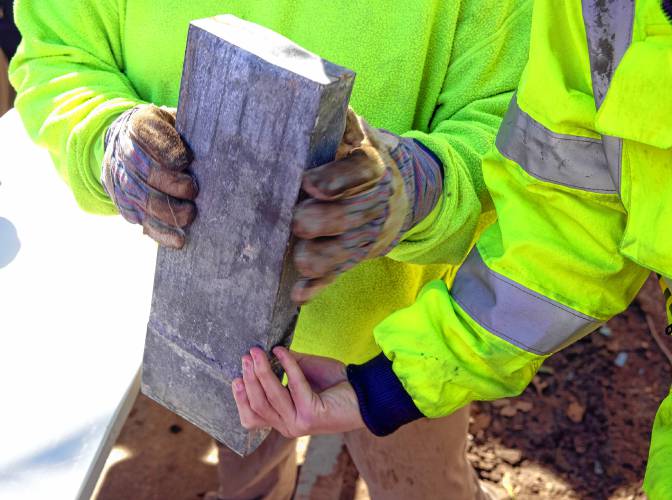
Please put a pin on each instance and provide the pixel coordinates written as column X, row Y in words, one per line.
column 74, row 304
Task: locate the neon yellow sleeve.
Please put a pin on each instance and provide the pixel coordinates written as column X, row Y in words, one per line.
column 544, row 275
column 445, row 360
column 69, row 74
column 658, row 478
column 488, row 56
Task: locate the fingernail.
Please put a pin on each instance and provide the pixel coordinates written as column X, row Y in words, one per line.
column 237, row 385
column 247, row 364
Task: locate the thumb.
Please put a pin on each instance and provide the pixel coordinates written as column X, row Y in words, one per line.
column 321, row 372
column 170, row 114
column 153, row 129
column 354, row 132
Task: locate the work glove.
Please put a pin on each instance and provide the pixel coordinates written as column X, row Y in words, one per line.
column 144, row 173
column 359, row 206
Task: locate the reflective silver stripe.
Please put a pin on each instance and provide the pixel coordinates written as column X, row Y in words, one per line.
column 514, row 313
column 609, row 25
column 613, row 150
column 573, row 161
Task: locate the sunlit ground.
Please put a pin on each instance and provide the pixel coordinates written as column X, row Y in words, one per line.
column 547, row 483
column 118, row 454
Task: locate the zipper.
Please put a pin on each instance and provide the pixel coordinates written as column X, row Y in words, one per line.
column 667, row 8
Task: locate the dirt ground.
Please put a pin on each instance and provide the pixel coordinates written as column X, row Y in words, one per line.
column 580, row 431
column 158, row 456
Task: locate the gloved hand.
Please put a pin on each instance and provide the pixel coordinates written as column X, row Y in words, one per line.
column 379, row 186
column 143, row 173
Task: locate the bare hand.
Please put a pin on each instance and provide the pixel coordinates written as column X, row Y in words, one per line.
column 318, row 398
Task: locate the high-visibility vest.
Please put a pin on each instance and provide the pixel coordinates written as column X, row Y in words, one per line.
column 581, row 177
column 582, row 184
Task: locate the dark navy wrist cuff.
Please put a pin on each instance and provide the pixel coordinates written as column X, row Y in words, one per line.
column 383, row 402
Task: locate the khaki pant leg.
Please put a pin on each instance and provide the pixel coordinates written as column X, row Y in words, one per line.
column 6, row 91
column 423, row 460
column 269, row 473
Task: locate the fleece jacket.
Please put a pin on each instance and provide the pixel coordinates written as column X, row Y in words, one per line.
column 439, row 72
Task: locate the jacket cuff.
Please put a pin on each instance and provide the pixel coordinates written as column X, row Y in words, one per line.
column 431, row 154
column 383, row 402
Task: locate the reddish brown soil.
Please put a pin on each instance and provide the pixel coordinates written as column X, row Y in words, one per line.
column 167, row 458
column 582, row 430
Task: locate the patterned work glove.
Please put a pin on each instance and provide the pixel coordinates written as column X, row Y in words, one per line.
column 359, row 205
column 143, row 173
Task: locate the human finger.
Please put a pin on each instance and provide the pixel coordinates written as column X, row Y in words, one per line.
column 177, row 184
column 321, row 372
column 248, row 418
column 305, row 289
column 355, row 173
column 314, row 219
column 256, row 395
column 318, row 258
column 297, row 383
column 276, row 394
column 171, row 211
column 164, row 235
column 153, row 129
column 325, row 256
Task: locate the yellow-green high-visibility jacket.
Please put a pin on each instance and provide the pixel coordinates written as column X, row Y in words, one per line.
column 581, row 181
